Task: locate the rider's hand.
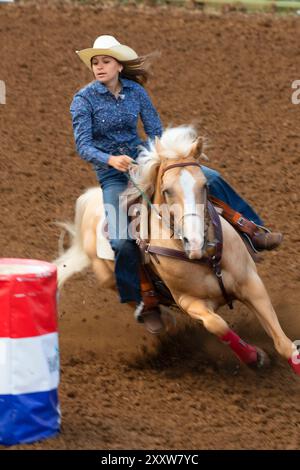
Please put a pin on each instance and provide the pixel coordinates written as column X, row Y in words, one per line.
column 120, row 162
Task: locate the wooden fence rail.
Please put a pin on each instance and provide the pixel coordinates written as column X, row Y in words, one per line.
column 255, row 4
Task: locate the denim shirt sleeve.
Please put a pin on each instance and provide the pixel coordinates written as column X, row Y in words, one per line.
column 81, row 112
column 150, row 117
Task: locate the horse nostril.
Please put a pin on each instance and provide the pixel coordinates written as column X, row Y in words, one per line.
column 185, row 240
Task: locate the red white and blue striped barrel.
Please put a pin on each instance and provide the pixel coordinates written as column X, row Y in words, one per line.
column 29, row 352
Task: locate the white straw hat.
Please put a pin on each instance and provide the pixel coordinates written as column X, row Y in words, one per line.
column 107, row 45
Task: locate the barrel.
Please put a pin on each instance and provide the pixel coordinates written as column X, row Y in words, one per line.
column 29, row 351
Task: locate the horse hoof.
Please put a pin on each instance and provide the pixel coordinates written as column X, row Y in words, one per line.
column 262, row 360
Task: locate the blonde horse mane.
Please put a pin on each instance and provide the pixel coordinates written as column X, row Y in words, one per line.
column 174, row 144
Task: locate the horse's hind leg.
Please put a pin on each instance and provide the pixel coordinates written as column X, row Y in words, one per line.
column 199, row 310
column 101, row 267
column 254, row 294
column 104, row 272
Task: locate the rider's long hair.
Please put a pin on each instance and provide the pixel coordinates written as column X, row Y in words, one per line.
column 138, row 69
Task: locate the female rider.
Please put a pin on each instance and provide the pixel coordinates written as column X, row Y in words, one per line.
column 105, row 114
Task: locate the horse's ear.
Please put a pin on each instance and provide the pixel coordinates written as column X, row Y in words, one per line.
column 197, row 149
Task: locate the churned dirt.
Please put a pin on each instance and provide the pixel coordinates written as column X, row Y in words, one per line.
column 230, row 74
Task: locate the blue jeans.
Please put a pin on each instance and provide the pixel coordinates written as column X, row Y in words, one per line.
column 127, row 256
column 222, row 190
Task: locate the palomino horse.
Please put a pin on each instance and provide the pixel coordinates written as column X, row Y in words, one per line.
column 168, row 173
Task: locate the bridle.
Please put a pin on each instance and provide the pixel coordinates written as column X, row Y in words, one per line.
column 180, row 222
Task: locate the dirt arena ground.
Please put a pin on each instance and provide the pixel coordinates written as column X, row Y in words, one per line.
column 230, row 74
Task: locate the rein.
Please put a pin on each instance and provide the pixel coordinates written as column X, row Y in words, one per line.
column 160, row 217
column 213, row 261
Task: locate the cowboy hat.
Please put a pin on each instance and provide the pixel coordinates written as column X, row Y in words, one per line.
column 107, row 45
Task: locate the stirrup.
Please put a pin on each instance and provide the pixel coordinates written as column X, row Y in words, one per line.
column 142, row 309
column 250, row 243
column 265, row 229
column 151, row 318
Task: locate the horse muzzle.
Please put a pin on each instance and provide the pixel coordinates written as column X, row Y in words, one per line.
column 193, row 248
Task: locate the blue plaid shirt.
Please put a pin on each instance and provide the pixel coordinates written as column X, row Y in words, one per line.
column 105, row 125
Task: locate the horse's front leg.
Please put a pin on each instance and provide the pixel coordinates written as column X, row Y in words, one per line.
column 199, row 310
column 254, row 294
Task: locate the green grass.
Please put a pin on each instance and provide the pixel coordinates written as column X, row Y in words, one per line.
column 281, row 6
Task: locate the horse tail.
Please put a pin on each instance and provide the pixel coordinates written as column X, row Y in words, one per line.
column 74, row 259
